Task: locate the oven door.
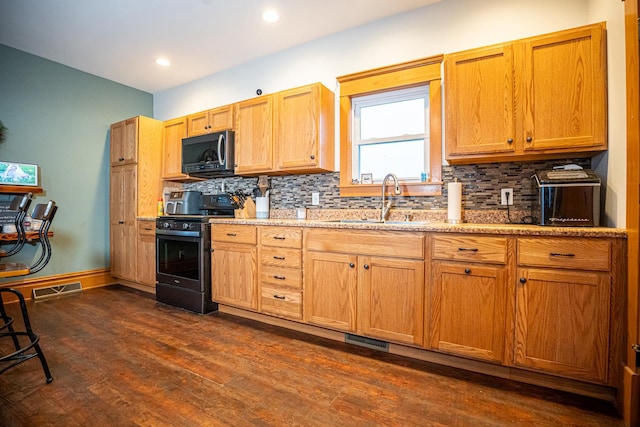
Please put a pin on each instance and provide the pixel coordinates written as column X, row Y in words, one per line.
column 179, row 259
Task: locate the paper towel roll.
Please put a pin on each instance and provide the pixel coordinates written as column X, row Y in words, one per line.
column 454, row 202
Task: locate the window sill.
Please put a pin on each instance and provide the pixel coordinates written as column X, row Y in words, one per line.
column 407, row 188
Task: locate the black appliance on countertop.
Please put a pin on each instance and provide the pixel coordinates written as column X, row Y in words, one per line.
column 183, row 255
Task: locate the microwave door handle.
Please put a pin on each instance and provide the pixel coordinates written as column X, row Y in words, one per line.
column 220, row 152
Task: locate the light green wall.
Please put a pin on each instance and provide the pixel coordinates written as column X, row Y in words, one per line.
column 59, row 117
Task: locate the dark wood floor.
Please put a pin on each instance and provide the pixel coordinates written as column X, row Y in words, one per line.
column 118, row 358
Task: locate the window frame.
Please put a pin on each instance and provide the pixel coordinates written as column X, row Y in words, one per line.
column 394, row 77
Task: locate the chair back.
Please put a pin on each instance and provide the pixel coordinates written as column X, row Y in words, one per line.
column 21, row 204
column 45, row 213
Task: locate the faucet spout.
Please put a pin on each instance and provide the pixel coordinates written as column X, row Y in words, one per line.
column 384, row 211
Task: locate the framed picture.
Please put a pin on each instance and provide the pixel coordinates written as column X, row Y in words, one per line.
column 18, row 174
column 366, row 178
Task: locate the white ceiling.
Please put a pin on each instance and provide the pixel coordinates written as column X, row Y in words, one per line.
column 120, row 39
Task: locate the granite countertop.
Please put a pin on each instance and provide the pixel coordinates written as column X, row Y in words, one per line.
column 478, row 228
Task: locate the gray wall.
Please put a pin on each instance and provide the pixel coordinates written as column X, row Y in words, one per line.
column 59, row 117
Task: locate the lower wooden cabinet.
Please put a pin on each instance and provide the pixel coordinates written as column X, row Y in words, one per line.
column 233, row 265
column 146, row 252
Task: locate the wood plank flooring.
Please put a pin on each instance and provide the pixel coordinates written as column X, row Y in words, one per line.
column 118, row 358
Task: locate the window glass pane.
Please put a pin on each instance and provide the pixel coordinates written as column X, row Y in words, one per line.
column 404, row 158
column 393, row 119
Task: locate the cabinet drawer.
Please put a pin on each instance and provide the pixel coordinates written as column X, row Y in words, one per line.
column 146, row 227
column 470, row 248
column 281, row 302
column 280, row 276
column 283, row 237
column 282, row 257
column 382, row 243
column 573, row 253
column 233, row 233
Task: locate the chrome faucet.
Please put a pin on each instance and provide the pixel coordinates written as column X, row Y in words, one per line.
column 385, row 209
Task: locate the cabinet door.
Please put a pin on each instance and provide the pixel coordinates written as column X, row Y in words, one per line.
column 234, row 275
column 565, row 91
column 123, row 139
column 297, row 129
column 330, row 290
column 174, row 131
column 198, row 123
column 146, row 253
column 468, row 306
column 392, row 299
column 479, row 102
column 221, row 118
column 562, row 322
column 254, row 147
column 123, row 222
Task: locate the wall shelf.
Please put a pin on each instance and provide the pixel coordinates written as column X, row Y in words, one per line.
column 19, row 189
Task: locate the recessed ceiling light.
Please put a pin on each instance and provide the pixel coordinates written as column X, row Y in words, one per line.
column 164, row 62
column 270, row 16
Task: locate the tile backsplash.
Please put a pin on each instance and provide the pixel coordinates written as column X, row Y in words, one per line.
column 481, row 184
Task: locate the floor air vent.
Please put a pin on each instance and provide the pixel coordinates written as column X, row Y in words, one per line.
column 55, row 290
column 366, row 342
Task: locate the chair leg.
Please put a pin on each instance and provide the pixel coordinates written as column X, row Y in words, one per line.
column 8, row 324
column 19, row 355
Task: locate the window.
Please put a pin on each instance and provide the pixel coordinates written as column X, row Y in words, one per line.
column 390, row 121
column 390, row 133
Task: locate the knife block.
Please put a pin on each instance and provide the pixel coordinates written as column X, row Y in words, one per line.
column 248, row 211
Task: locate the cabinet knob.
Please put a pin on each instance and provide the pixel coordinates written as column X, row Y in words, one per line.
column 510, row 141
column 366, row 266
column 313, row 157
column 352, row 265
column 523, row 280
column 467, row 271
column 529, row 139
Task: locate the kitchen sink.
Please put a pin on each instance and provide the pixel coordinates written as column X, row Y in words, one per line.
column 377, row 221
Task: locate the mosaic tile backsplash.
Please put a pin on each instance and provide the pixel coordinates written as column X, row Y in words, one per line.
column 481, row 184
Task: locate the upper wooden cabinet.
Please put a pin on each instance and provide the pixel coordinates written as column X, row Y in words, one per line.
column 304, row 129
column 535, row 98
column 213, row 120
column 124, row 142
column 174, row 131
column 254, row 136
column 288, row 132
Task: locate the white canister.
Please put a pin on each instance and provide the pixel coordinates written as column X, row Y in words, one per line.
column 262, row 206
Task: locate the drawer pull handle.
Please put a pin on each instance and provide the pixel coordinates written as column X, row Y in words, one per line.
column 467, row 271
column 468, row 249
column 561, row 254
column 231, row 234
column 148, row 228
column 279, row 296
column 281, row 258
column 278, row 237
column 279, row 277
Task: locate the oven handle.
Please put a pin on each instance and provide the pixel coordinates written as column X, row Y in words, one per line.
column 177, row 233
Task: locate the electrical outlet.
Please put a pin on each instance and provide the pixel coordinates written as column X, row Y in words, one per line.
column 506, row 196
column 315, row 199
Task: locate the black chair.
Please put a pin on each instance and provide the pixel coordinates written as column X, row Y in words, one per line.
column 21, row 205
column 25, row 351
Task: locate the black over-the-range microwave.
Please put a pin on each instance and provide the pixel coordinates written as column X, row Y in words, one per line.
column 209, row 156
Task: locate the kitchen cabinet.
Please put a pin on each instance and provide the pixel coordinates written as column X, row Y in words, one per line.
column 146, row 252
column 135, row 188
column 280, row 271
column 368, row 283
column 174, row 131
column 563, row 303
column 123, row 145
column 468, row 295
column 214, row 120
column 254, row 136
column 536, row 98
column 287, row 132
column 304, row 129
column 234, row 273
